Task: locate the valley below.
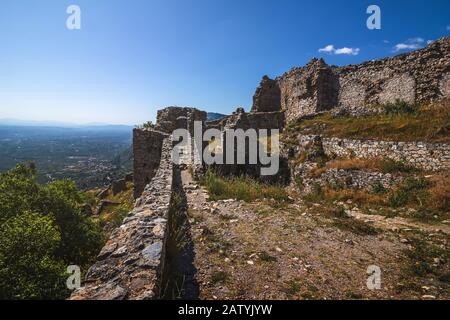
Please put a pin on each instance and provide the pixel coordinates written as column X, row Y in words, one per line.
column 90, row 156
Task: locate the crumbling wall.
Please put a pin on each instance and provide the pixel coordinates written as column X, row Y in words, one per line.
column 342, row 178
column 444, row 85
column 172, row 118
column 308, row 90
column 267, row 97
column 147, row 146
column 131, row 264
column 415, row 77
column 426, row 156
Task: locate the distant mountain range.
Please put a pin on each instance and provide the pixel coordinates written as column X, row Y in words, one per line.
column 215, row 116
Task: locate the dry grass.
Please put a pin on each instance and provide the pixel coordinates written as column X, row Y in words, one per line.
column 347, row 164
column 241, row 188
column 430, row 123
column 348, row 223
column 372, row 164
column 440, row 192
column 430, row 197
column 358, row 196
column 114, row 214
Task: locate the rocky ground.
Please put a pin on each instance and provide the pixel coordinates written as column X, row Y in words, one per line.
column 303, row 250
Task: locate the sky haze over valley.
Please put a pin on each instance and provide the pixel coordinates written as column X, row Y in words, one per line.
column 132, row 58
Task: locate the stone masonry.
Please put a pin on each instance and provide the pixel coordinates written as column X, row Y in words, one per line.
column 131, row 264
column 426, row 156
column 267, row 97
column 147, row 146
column 416, row 77
column 343, row 178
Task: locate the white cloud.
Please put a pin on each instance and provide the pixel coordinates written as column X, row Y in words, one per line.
column 448, row 28
column 351, row 51
column 410, row 44
column 405, row 46
column 330, row 49
column 327, row 49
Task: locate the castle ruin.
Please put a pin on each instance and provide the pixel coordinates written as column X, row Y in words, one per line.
column 132, row 264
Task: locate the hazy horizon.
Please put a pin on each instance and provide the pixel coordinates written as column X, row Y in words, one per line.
column 131, row 59
column 30, row 122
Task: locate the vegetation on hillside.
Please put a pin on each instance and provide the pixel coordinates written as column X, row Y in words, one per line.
column 241, row 188
column 119, row 205
column 91, row 157
column 428, row 197
column 399, row 122
column 383, row 165
column 43, row 230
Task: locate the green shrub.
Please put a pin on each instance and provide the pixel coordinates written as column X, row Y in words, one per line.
column 29, row 268
column 410, row 190
column 241, row 188
column 42, row 229
column 378, row 188
column 392, row 166
column 422, row 257
column 148, row 125
column 399, row 107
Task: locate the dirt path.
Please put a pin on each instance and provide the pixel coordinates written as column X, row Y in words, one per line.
column 398, row 223
column 255, row 251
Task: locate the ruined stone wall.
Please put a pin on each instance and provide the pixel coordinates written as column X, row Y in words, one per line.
column 147, row 146
column 308, row 90
column 343, row 178
column 172, row 118
column 267, row 97
column 131, row 264
column 416, row 77
column 427, row 156
column 246, row 120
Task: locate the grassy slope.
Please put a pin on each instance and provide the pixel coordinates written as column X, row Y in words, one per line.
column 430, row 123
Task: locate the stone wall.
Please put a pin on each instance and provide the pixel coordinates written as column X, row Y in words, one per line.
column 416, row 77
column 267, row 97
column 147, row 146
column 147, row 143
column 308, row 90
column 246, row 120
column 427, row 156
column 131, row 264
column 171, row 118
column 342, row 178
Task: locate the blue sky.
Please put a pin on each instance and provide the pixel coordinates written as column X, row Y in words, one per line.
column 133, row 57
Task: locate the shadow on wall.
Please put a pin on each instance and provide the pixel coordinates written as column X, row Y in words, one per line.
column 179, row 281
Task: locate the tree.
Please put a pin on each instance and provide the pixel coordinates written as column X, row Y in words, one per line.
column 28, row 266
column 43, row 229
